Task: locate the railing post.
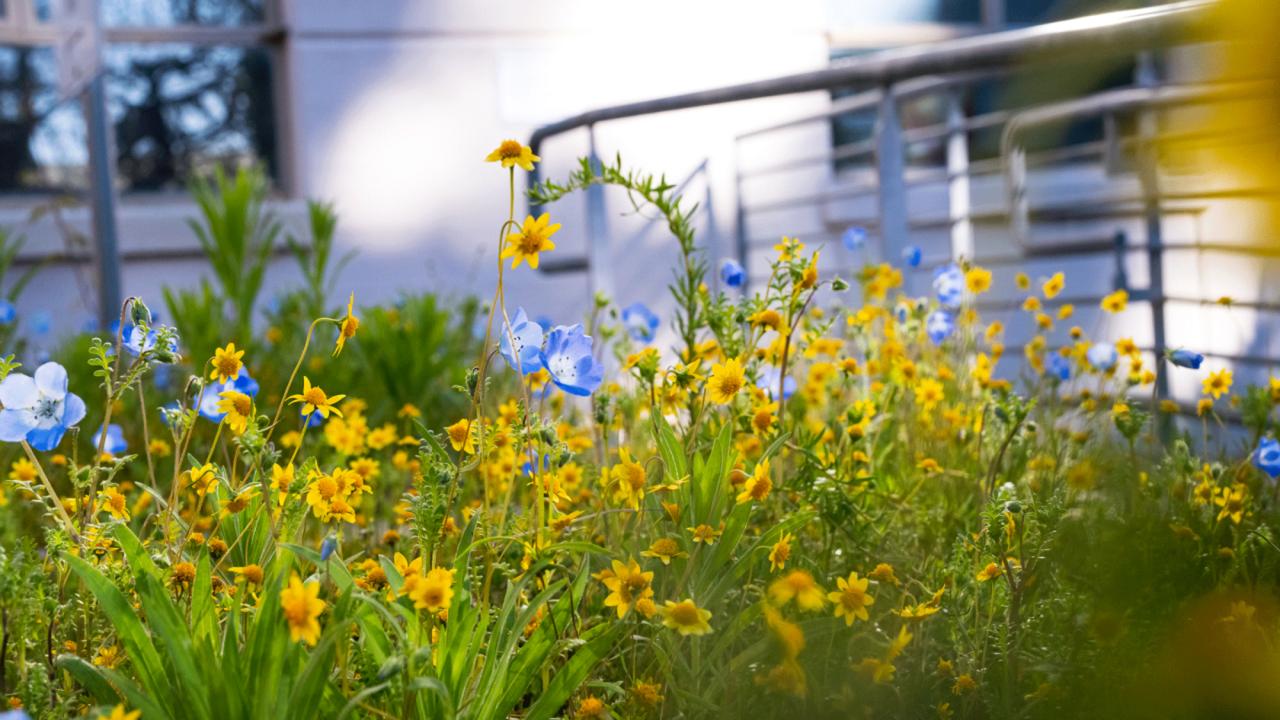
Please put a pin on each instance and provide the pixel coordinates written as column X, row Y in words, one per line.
column 740, row 227
column 960, row 202
column 1147, row 75
column 891, row 173
column 599, row 263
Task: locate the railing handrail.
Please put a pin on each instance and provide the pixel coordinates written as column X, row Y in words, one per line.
column 1112, row 32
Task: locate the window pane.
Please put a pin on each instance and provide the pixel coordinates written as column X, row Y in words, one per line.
column 41, row 140
column 179, row 110
column 151, row 13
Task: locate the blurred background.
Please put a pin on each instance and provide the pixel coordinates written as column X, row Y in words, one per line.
column 1033, row 135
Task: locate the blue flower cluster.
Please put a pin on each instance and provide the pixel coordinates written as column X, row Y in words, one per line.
column 566, row 353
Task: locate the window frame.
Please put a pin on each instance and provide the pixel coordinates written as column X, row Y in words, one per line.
column 21, row 26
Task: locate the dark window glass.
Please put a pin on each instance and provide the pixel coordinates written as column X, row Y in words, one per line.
column 180, row 109
column 959, row 11
column 1030, row 12
column 41, row 139
column 162, row 13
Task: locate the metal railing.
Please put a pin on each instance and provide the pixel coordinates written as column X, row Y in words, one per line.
column 884, row 81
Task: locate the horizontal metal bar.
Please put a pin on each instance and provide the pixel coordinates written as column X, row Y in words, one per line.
column 42, row 34
column 140, row 256
column 1120, row 32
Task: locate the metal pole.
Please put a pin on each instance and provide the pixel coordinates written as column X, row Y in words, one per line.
column 891, row 171
column 599, row 264
column 103, row 200
column 958, row 178
column 1147, row 75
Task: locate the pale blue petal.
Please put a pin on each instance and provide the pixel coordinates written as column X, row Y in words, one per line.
column 18, row 391
column 15, row 424
column 51, row 379
column 73, row 412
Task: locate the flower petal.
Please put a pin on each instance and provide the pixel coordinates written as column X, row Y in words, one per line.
column 51, row 379
column 18, row 391
column 73, row 411
column 47, row 439
column 16, row 423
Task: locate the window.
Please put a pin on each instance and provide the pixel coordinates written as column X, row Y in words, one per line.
column 190, row 84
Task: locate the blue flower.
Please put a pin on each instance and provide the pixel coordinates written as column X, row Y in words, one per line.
column 1102, row 356
column 41, row 323
column 1057, row 366
column 732, row 273
column 115, row 444
column 939, row 325
column 137, row 342
column 1186, row 359
column 314, row 420
column 948, row 283
column 768, row 382
column 327, row 547
column 854, row 238
column 640, row 321
column 528, row 342
column 18, row 714
column 38, row 410
column 8, row 313
column 1267, row 457
column 569, row 360
column 912, row 255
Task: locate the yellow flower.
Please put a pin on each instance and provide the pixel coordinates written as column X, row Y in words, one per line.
column 432, row 592
column 302, row 607
column 314, row 399
column 928, row 393
column 534, row 237
column 627, row 584
column 884, row 573
column 665, row 549
column 789, row 249
column 989, row 572
column 237, row 407
column 964, row 684
column 800, row 586
column 118, row 713
column 704, row 533
column 1232, row 500
column 252, row 573
column 1217, row 384
column 461, row 438
column 726, row 380
column 204, row 479
column 347, row 328
column 511, row 153
column 851, row 600
column 23, row 470
column 780, row 553
column 591, row 707
column 629, row 477
column 977, row 280
column 159, row 448
column 757, row 486
column 686, row 618
column 226, row 363
column 1116, row 301
column 1053, row 286
column 115, row 503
